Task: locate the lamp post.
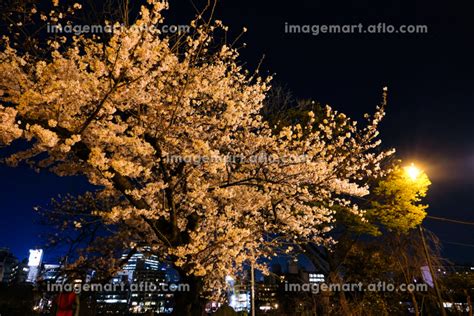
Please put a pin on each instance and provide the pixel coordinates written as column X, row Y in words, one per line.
column 433, row 276
column 413, row 173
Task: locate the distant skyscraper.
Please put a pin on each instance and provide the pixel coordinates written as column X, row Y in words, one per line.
column 34, row 264
column 51, row 272
column 141, row 270
column 8, row 266
column 145, row 268
column 147, row 262
column 238, row 295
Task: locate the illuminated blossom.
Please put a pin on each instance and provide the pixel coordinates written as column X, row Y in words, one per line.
column 116, row 111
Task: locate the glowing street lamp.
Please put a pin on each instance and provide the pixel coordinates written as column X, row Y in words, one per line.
column 412, row 171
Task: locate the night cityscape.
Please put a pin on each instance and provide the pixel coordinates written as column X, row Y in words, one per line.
column 211, row 157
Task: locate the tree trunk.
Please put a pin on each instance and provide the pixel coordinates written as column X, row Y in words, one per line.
column 344, row 309
column 189, row 303
column 415, row 304
column 469, row 302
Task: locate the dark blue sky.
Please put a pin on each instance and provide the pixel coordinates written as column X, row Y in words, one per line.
column 431, row 96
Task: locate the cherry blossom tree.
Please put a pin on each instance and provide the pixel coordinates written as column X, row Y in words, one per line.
column 169, row 130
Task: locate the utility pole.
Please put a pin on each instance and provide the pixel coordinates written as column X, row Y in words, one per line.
column 252, row 288
column 433, row 275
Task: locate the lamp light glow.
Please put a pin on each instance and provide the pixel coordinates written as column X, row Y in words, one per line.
column 412, row 171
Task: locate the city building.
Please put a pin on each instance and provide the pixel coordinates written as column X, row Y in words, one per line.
column 115, row 301
column 9, row 266
column 240, row 299
column 266, row 296
column 147, row 281
column 238, row 294
column 51, row 273
column 146, row 262
column 34, row 265
column 149, row 290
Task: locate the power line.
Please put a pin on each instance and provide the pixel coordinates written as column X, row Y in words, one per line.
column 458, row 243
column 455, row 221
column 450, row 220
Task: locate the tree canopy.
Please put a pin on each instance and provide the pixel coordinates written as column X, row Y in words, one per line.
column 170, row 131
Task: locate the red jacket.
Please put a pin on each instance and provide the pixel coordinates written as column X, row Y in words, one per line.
column 65, row 302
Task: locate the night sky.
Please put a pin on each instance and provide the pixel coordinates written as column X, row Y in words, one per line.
column 431, row 97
